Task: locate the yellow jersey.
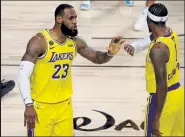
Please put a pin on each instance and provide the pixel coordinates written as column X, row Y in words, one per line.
column 51, row 80
column 172, row 66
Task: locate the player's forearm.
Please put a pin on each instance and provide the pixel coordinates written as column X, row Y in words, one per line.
column 142, row 44
column 24, row 74
column 161, row 94
column 102, row 57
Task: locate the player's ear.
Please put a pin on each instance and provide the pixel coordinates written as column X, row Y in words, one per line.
column 59, row 19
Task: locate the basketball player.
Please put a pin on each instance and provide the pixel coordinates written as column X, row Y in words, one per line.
column 45, row 74
column 165, row 110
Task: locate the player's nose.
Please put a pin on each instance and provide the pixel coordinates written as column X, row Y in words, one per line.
column 74, row 21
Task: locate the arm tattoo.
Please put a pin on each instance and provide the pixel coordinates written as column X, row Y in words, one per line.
column 159, row 56
column 97, row 57
column 102, row 57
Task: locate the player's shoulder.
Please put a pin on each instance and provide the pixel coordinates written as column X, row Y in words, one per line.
column 78, row 38
column 159, row 45
column 159, row 49
column 37, row 42
column 38, row 37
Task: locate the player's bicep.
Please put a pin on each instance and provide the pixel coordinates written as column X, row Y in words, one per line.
column 159, row 67
column 33, row 50
column 159, row 56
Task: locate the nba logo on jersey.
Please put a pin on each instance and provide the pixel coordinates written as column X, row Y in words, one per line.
column 30, row 132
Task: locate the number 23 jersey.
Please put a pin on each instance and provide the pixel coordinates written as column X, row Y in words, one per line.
column 51, row 80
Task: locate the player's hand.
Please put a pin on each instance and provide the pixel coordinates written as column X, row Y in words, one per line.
column 30, row 116
column 115, row 45
column 155, row 128
column 129, row 48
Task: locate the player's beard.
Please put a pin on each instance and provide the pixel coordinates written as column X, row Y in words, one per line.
column 69, row 32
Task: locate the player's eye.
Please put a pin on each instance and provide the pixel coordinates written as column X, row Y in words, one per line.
column 71, row 17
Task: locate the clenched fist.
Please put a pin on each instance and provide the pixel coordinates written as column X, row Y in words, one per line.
column 129, row 48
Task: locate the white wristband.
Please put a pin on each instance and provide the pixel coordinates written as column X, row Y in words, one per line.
column 141, row 44
column 26, row 69
column 109, row 55
column 29, row 104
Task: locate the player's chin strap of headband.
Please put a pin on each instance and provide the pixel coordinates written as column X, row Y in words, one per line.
column 157, row 18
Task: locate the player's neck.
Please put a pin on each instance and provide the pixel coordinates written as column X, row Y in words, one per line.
column 159, row 32
column 57, row 34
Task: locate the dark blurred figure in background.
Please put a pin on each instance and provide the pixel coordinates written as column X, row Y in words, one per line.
column 6, row 86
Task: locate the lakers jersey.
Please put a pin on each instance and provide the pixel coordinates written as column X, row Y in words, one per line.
column 172, row 66
column 51, row 80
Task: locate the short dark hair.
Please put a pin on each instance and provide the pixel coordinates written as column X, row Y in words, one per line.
column 60, row 9
column 159, row 10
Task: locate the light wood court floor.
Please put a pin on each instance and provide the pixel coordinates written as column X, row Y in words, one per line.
column 117, row 91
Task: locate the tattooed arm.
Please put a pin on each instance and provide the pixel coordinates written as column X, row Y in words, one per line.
column 159, row 56
column 97, row 57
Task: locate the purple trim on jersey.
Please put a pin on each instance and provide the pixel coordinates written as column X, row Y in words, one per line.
column 30, row 132
column 151, row 111
column 169, row 34
column 174, row 86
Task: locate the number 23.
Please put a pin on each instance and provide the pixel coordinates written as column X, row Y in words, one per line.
column 58, row 68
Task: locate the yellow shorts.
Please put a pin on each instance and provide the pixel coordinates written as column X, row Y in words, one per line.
column 54, row 119
column 172, row 117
